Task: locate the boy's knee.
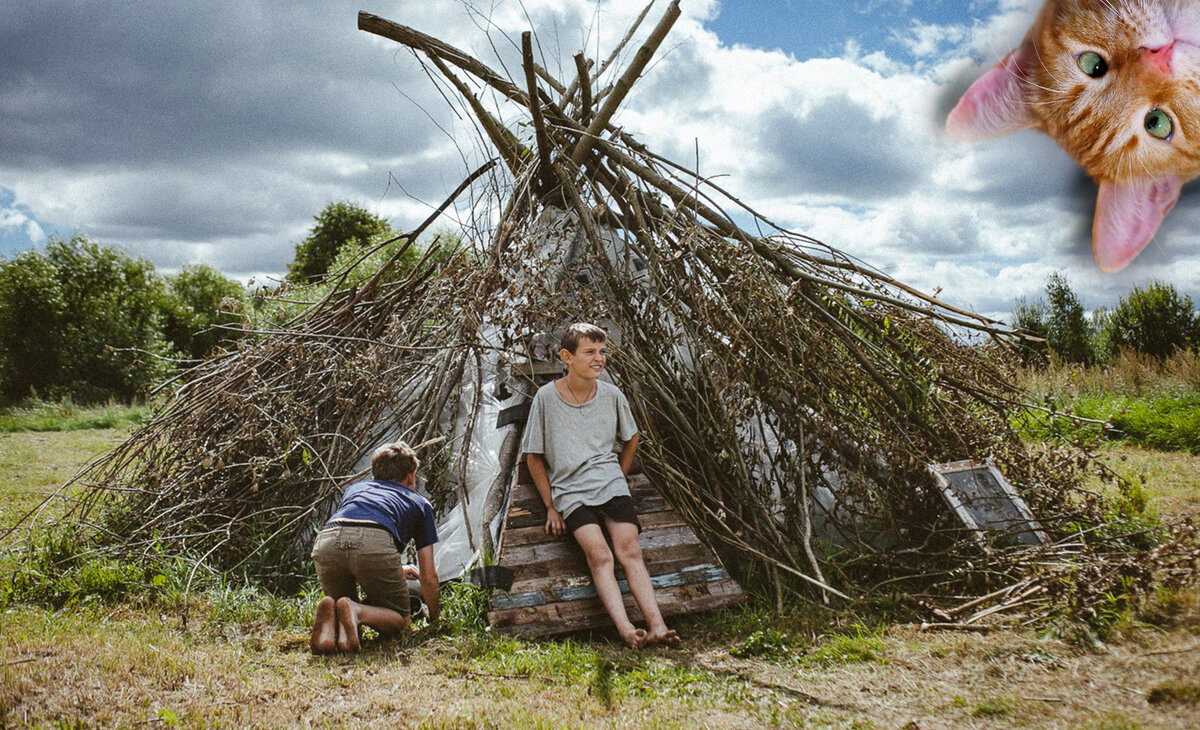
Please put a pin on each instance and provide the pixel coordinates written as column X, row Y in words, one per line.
column 628, row 550
column 598, row 556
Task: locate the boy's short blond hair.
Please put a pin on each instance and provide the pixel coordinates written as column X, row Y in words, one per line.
column 580, row 331
column 394, row 462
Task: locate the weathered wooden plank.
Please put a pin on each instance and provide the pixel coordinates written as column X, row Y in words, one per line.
column 669, row 561
column 693, row 574
column 564, row 548
column 563, row 617
column 552, row 590
column 519, row 517
column 570, row 586
column 518, row 536
column 525, row 495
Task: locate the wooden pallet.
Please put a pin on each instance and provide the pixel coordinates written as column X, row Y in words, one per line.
column 552, row 590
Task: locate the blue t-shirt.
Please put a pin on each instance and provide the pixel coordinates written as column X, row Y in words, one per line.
column 405, row 514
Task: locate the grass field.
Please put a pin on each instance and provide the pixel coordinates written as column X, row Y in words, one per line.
column 233, row 657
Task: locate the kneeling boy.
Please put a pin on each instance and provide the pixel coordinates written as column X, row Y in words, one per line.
column 574, row 424
column 363, row 543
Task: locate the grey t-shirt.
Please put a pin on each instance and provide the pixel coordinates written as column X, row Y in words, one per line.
column 579, row 442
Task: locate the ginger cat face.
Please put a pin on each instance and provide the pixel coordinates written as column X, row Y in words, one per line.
column 1117, row 84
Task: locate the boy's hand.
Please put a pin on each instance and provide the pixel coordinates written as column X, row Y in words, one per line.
column 411, row 572
column 555, row 524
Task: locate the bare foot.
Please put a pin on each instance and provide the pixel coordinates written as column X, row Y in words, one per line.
column 347, row 623
column 324, row 628
column 633, row 637
column 662, row 637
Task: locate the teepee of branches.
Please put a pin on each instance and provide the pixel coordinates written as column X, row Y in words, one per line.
column 790, row 398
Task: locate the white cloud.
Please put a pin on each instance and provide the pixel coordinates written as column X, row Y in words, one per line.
column 19, row 229
column 188, row 152
column 925, row 40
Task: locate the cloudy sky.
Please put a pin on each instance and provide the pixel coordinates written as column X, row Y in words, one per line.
column 213, row 131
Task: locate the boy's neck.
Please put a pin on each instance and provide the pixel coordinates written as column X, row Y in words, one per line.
column 579, row 383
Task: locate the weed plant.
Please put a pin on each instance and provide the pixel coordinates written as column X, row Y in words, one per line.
column 1136, row 398
column 464, row 607
column 66, row 415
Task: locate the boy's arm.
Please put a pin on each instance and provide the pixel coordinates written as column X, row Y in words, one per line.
column 555, row 525
column 627, row 452
column 429, row 580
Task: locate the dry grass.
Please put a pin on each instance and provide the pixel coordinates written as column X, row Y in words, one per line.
column 1130, row 374
column 231, row 665
column 124, row 667
column 1173, row 480
column 34, row 464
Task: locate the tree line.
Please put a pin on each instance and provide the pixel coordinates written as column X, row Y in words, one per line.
column 91, row 323
column 88, row 322
column 1154, row 320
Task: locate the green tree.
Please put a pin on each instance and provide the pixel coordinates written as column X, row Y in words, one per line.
column 1059, row 320
column 1031, row 317
column 1067, row 330
column 1154, row 321
column 80, row 320
column 201, row 310
column 337, row 225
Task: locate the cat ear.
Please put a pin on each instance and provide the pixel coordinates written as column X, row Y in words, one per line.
column 1127, row 215
column 995, row 105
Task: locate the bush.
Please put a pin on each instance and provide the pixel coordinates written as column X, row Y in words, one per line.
column 201, row 311
column 80, row 320
column 337, row 225
column 1154, row 321
column 65, row 415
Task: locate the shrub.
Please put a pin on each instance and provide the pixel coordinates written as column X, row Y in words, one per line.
column 201, row 310
column 464, row 607
column 1154, row 321
column 1066, row 329
column 1059, row 320
column 337, row 225
column 80, row 320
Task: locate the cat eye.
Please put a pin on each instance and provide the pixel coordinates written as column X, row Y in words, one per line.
column 1158, row 124
column 1092, row 64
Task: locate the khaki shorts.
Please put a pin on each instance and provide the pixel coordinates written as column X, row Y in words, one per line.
column 346, row 555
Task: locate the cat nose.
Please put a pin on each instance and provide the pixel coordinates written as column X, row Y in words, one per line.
column 1160, row 58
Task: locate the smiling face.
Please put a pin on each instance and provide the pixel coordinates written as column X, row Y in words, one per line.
column 588, row 360
column 1117, row 84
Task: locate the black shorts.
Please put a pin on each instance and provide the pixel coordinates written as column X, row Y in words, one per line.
column 617, row 509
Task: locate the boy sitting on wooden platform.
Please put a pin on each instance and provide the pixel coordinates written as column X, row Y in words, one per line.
column 574, row 424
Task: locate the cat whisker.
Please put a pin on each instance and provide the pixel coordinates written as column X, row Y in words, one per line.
column 1096, row 119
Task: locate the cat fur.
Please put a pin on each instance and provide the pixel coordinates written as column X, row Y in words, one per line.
column 1151, row 49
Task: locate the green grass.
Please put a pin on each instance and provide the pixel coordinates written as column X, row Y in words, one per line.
column 1167, row 421
column 35, row 464
column 155, row 645
column 858, row 646
column 1141, row 401
column 994, row 707
column 41, row 416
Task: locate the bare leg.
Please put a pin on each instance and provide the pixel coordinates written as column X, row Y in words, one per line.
column 324, row 628
column 629, row 553
column 600, row 563
column 351, row 614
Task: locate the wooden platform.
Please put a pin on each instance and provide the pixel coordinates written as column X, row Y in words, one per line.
column 552, row 590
